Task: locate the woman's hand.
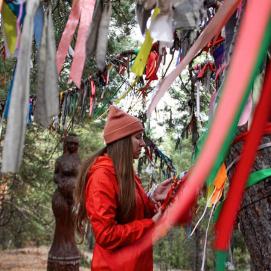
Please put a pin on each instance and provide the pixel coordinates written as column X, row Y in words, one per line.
column 158, row 214
column 161, row 191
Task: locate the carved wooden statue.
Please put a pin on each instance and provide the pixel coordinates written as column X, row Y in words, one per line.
column 64, row 254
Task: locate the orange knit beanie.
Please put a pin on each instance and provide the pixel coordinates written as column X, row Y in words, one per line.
column 120, row 124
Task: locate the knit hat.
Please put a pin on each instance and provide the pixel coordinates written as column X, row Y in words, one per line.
column 120, row 124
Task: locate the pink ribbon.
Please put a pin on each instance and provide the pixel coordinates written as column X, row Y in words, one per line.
column 1, row 5
column 18, row 24
column 246, row 113
column 67, row 35
column 83, row 10
column 80, row 48
column 224, row 12
column 92, row 96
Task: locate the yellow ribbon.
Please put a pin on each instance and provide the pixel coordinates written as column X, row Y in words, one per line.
column 142, row 57
column 9, row 25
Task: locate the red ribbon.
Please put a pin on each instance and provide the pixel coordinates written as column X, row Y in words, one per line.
column 225, row 223
column 242, row 136
column 207, row 66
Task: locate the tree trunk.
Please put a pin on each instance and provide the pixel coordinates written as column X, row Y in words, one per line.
column 255, row 212
column 197, row 257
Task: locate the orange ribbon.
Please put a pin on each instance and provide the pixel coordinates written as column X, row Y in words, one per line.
column 1, row 5
column 219, row 183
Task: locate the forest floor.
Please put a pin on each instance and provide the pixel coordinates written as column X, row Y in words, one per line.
column 26, row 259
column 33, row 259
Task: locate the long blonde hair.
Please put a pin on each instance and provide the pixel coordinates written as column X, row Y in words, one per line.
column 121, row 152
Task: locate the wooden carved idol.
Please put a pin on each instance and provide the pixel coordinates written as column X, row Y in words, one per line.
column 64, row 254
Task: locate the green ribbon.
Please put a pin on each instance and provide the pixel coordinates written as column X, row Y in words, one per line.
column 254, row 178
column 232, row 132
column 258, row 176
column 220, row 260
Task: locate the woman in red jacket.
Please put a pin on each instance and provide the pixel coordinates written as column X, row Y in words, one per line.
column 112, row 198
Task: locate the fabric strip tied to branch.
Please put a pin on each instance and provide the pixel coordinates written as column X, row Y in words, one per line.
column 82, row 10
column 47, row 104
column 16, row 127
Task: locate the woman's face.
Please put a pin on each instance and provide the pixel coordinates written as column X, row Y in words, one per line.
column 138, row 143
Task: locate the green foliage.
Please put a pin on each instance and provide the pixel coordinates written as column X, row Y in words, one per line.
column 27, row 217
column 29, row 193
column 174, row 251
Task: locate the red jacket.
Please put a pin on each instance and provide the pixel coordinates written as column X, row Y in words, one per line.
column 102, row 206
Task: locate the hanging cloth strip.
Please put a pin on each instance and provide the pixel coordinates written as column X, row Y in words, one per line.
column 204, row 69
column 92, row 96
column 38, row 26
column 143, row 54
column 16, row 126
column 254, row 177
column 9, row 27
column 258, row 176
column 225, row 223
column 84, row 90
column 212, row 29
column 19, row 22
column 15, row 6
column 7, row 105
column 82, row 10
column 98, row 38
column 18, row 10
column 250, row 70
column 247, row 111
column 1, row 5
column 47, row 104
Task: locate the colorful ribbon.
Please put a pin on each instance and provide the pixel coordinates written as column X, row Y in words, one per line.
column 15, row 134
column 38, row 25
column 1, row 5
column 213, row 28
column 225, row 223
column 9, row 27
column 142, row 57
column 92, row 96
column 67, row 35
column 80, row 47
column 82, row 10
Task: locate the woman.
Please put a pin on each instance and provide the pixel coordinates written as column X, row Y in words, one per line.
column 111, row 196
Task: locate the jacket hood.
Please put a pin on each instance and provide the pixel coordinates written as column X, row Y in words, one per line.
column 104, row 162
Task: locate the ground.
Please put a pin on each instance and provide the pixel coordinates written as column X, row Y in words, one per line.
column 26, row 259
column 35, row 259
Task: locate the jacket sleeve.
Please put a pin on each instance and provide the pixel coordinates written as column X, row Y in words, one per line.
column 101, row 205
